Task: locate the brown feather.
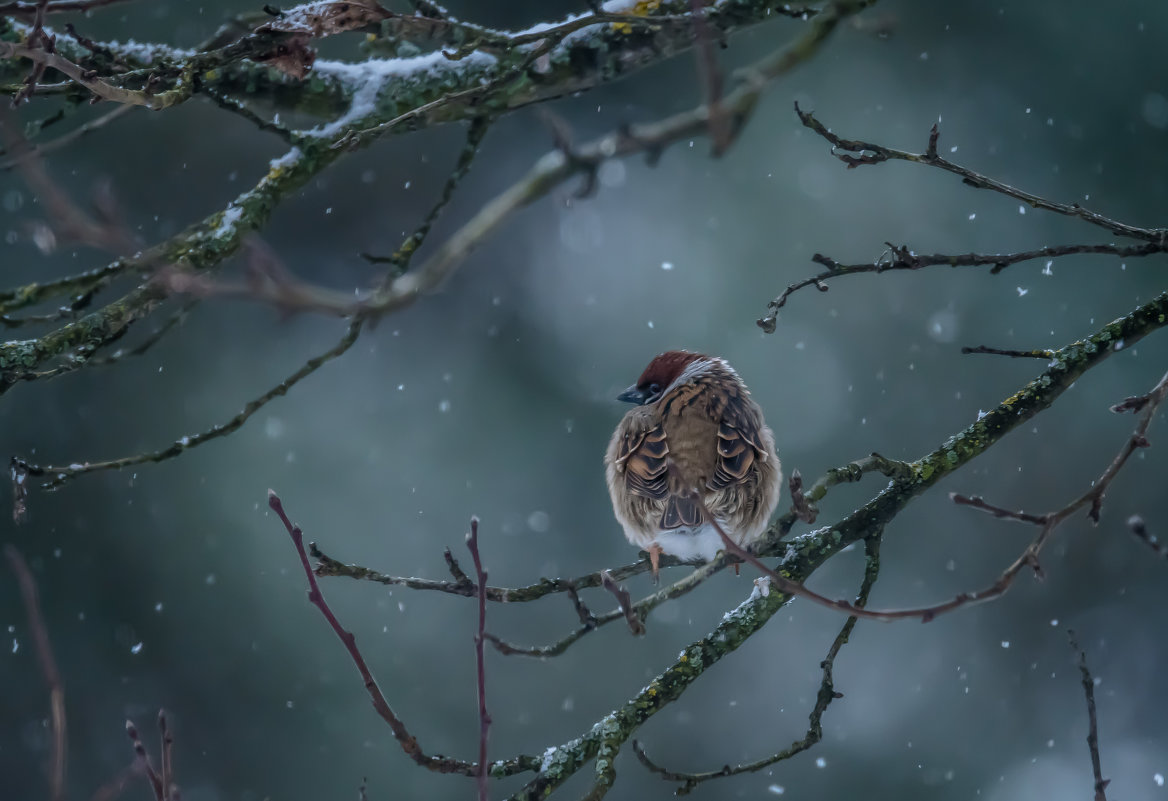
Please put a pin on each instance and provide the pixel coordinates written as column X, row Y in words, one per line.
column 704, row 433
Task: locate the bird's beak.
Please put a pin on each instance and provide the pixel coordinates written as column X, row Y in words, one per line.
column 633, row 395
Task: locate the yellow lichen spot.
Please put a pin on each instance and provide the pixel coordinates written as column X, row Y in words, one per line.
column 642, row 9
column 211, row 75
column 684, row 658
column 1010, row 401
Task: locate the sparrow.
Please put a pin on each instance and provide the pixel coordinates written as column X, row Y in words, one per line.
column 693, row 433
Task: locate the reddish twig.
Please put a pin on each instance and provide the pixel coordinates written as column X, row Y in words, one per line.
column 407, row 741
column 1092, row 724
column 472, row 545
column 799, row 505
column 44, row 651
column 625, row 601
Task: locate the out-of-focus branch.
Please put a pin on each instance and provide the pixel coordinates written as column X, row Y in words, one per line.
column 44, row 651
column 1139, row 528
column 25, row 10
column 554, row 169
column 263, row 262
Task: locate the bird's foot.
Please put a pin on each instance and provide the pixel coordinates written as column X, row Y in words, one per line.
column 654, row 560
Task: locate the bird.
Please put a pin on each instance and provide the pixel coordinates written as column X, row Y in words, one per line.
column 694, row 445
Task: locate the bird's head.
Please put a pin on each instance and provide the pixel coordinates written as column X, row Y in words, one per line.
column 657, row 377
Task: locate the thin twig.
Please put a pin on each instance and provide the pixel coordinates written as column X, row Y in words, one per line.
column 977, row 502
column 900, row 257
column 641, row 609
column 407, row 741
column 62, row 474
column 472, row 545
column 464, row 586
column 625, row 601
column 855, row 153
column 44, row 651
column 1092, row 724
column 869, row 153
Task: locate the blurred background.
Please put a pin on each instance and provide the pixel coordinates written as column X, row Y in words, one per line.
column 173, row 586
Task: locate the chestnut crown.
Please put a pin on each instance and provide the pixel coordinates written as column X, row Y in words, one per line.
column 661, row 372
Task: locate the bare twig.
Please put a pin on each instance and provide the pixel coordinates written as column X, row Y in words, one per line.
column 854, row 152
column 899, row 257
column 407, row 741
column 827, row 693
column 44, row 652
column 464, row 586
column 636, row 626
column 57, row 475
column 799, row 505
column 472, row 545
column 1093, row 727
column 641, row 609
column 977, row 502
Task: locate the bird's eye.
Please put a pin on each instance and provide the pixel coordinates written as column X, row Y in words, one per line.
column 654, row 392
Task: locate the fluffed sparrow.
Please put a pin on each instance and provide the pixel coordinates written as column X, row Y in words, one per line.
column 694, row 429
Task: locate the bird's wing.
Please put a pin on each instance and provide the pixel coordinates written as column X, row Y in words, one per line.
column 641, row 453
column 739, row 442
